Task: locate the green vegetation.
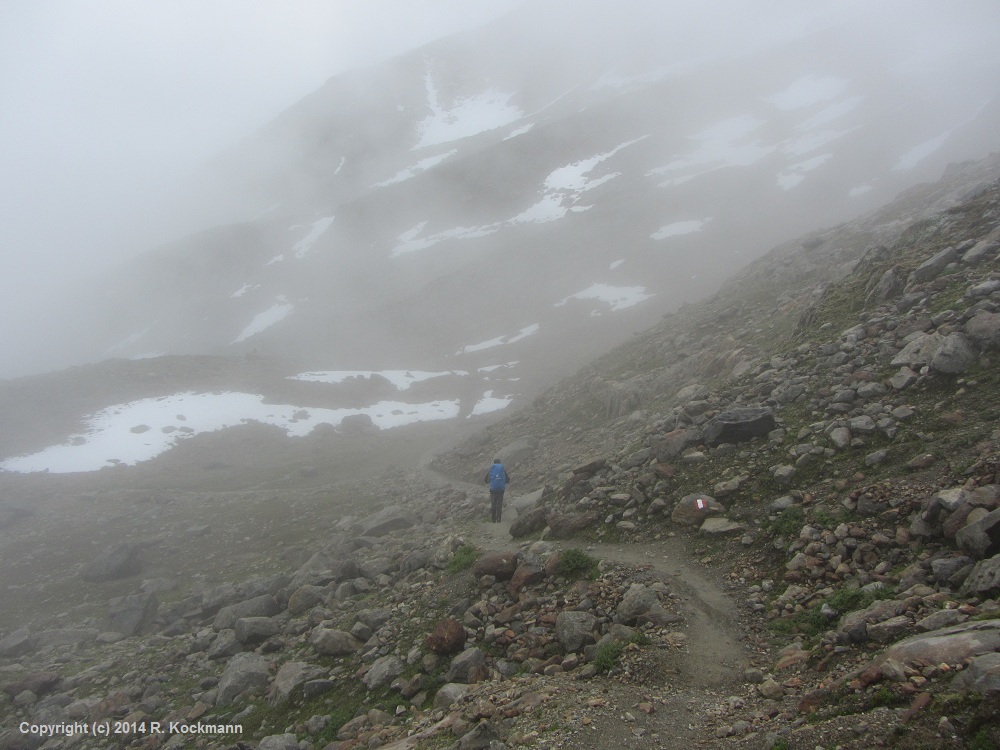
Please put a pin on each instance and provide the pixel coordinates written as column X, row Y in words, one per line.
column 982, row 741
column 608, row 656
column 464, row 558
column 788, row 522
column 575, row 564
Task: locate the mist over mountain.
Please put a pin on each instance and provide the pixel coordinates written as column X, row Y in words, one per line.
column 499, row 207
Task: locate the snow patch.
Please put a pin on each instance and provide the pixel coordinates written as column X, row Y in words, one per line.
column 616, row 264
column 520, row 131
column 469, row 116
column 248, row 287
column 679, row 228
column 854, row 192
column 126, row 434
column 793, row 175
column 266, row 319
column 720, row 145
column 421, row 166
column 490, row 403
column 501, row 340
column 616, row 297
column 318, row 228
column 920, row 152
column 807, row 91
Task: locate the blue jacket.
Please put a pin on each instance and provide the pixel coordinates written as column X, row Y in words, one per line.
column 497, row 478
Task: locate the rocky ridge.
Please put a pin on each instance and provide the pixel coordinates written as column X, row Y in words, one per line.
column 826, row 456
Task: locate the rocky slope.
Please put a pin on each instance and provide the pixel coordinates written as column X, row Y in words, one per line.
column 771, row 521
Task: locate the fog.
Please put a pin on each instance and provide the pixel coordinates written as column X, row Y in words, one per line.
column 112, row 108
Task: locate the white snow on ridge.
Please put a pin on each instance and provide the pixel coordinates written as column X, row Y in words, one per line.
column 520, row 131
column 920, row 152
column 500, row 340
column 679, row 228
column 469, row 116
column 793, row 175
column 126, row 434
column 854, row 192
column 490, row 403
column 833, row 112
column 421, row 166
column 401, row 379
column 720, row 145
column 248, row 287
column 807, row 91
column 266, row 319
column 305, row 244
column 616, row 297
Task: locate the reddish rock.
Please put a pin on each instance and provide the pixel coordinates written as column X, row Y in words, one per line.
column 448, row 637
column 526, row 574
column 500, row 565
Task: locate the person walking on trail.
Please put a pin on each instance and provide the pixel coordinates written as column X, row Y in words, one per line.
column 497, row 478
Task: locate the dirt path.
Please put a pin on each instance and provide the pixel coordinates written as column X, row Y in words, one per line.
column 693, row 682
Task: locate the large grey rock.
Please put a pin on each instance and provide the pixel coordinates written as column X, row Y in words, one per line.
column 935, row 265
column 981, row 251
column 252, row 631
column 259, row 606
column 468, row 667
column 449, row 693
column 637, row 601
column 575, row 629
column 393, row 518
column 981, row 538
column 984, row 580
column 279, row 742
column 949, row 645
column 383, row 671
column 739, row 425
column 224, row 645
column 517, row 450
column 121, row 561
column 888, row 286
column 334, row 642
column 19, row 643
column 955, row 355
column 918, row 351
column 129, row 615
column 984, row 330
column 982, row 674
column 243, row 672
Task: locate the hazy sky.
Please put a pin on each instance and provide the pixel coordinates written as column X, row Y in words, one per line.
column 106, row 103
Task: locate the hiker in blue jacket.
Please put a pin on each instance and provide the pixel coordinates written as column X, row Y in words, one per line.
column 497, row 479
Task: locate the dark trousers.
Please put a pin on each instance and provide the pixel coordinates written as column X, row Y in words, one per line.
column 496, row 505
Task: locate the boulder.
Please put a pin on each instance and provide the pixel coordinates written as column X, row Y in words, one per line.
column 575, row 629
column 383, row 671
column 19, row 643
column 518, row 450
column 121, row 561
column 449, row 693
column 984, row 330
column 243, row 672
column 448, row 637
column 468, row 667
column 984, row 580
column 500, row 565
column 692, row 510
column 529, row 522
column 526, row 574
column 129, row 615
column 981, row 538
column 934, row 265
column 259, row 606
column 637, row 601
column 982, row 674
column 739, row 425
column 955, row 355
column 334, row 642
column 253, row 631
column 292, row 676
column 393, row 518
column 279, row 742
column 947, row 646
